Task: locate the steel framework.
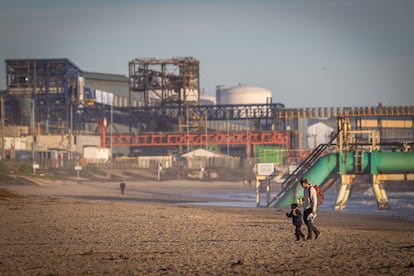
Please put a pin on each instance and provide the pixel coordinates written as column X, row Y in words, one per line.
column 163, row 81
column 42, row 93
column 2, row 124
column 369, row 111
column 166, row 118
column 253, row 112
column 192, row 139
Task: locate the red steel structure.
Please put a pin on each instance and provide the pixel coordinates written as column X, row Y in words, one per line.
column 183, row 139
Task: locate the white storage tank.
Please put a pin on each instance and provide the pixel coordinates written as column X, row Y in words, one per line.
column 243, row 95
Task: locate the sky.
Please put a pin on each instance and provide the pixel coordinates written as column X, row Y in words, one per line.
column 309, row 53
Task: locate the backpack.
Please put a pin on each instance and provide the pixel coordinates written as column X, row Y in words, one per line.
column 319, row 194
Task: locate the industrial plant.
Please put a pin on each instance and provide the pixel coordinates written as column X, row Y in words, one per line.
column 56, row 115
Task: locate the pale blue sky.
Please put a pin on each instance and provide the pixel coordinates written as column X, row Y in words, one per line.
column 307, row 52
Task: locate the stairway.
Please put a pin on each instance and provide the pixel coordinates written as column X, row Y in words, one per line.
column 301, row 170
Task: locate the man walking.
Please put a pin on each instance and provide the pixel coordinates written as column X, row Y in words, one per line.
column 310, row 203
column 122, row 186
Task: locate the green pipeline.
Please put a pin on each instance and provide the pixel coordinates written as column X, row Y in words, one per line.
column 344, row 163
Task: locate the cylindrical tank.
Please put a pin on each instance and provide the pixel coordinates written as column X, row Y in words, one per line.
column 244, row 95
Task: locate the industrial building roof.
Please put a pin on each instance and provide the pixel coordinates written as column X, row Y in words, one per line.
column 114, row 83
column 105, row 77
column 40, row 61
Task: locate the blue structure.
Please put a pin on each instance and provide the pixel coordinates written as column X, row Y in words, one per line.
column 45, row 88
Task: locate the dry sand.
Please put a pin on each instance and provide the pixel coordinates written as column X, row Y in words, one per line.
column 67, row 228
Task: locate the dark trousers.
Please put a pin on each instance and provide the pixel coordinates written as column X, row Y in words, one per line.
column 298, row 232
column 311, row 227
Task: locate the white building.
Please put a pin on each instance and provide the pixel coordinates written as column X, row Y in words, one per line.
column 318, row 133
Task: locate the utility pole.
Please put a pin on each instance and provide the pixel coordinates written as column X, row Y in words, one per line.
column 71, row 126
column 2, row 115
column 247, row 136
column 111, row 133
column 188, row 131
column 228, row 138
column 206, row 132
column 33, row 121
column 33, row 136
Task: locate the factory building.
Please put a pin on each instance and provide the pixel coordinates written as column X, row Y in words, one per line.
column 115, row 84
column 165, row 81
column 40, row 93
column 53, row 105
column 54, row 97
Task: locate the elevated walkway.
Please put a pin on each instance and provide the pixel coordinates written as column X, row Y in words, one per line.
column 242, row 112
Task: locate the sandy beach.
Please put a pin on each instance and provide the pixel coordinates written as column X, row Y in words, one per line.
column 71, row 228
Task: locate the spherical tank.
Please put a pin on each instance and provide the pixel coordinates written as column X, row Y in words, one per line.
column 245, row 95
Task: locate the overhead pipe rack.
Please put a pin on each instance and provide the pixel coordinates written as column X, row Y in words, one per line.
column 270, row 112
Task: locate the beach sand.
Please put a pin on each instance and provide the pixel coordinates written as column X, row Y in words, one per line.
column 70, row 228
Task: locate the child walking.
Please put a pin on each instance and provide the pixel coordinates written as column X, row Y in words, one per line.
column 296, row 216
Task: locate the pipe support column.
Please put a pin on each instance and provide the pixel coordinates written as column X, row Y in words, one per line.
column 379, row 192
column 344, row 191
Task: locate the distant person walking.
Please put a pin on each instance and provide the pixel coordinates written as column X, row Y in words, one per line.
column 159, row 171
column 310, row 203
column 122, row 186
column 296, row 216
column 201, row 172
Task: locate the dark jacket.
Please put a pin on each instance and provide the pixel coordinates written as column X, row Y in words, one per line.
column 122, row 185
column 296, row 218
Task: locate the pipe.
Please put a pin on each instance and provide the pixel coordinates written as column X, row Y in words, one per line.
column 392, row 162
column 343, row 163
column 317, row 174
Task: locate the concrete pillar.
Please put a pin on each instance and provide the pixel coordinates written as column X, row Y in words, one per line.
column 380, row 193
column 344, row 191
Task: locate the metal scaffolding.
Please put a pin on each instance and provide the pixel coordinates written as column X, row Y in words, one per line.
column 2, row 124
column 45, row 88
column 165, row 81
